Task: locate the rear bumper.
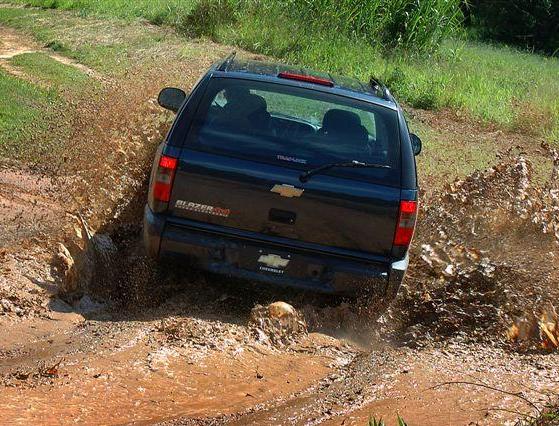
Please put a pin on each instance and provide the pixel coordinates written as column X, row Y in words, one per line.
column 220, row 251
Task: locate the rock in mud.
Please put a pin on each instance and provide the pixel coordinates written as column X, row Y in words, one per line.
column 92, row 264
column 87, row 305
column 67, row 265
column 278, row 324
column 6, row 305
column 536, row 330
column 281, row 310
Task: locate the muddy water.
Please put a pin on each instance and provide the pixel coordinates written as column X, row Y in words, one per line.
column 135, row 384
column 405, row 382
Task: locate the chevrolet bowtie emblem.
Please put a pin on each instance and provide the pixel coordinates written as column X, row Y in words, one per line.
column 288, row 191
column 273, row 260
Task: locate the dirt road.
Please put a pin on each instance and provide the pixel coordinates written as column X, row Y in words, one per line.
column 177, row 346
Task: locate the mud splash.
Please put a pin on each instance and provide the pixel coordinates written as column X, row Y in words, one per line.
column 536, row 330
column 485, row 253
column 28, row 206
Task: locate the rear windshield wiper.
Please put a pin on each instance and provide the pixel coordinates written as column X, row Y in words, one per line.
column 305, row 176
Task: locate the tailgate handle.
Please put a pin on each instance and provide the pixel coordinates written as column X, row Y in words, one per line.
column 282, row 216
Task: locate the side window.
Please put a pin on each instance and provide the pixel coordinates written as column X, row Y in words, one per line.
column 369, row 122
column 220, row 100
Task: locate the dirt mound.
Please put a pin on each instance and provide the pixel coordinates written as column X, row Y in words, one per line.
column 484, row 253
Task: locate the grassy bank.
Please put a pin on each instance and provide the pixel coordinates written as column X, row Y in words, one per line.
column 26, row 112
column 43, row 127
column 48, row 102
column 494, row 84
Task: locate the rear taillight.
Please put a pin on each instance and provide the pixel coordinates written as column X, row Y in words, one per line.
column 163, row 179
column 406, row 223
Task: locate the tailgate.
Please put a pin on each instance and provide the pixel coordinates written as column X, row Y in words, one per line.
column 257, row 197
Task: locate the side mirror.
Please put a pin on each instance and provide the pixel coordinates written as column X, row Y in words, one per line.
column 171, row 98
column 415, row 144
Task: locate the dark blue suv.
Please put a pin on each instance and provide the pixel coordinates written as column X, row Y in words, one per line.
column 286, row 176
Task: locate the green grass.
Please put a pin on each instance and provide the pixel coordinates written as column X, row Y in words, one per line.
column 39, row 103
column 25, row 113
column 380, row 422
column 446, row 155
column 44, row 69
column 155, row 11
column 61, row 35
column 110, row 45
column 34, row 108
column 390, row 22
column 548, row 417
column 493, row 84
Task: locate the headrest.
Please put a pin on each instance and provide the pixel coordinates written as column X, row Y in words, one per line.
column 247, row 104
column 339, row 120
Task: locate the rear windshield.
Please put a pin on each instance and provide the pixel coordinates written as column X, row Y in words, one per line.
column 297, row 128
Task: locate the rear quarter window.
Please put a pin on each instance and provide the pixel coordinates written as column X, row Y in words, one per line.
column 296, row 128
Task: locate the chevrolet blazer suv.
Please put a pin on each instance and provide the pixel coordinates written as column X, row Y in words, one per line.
column 286, row 176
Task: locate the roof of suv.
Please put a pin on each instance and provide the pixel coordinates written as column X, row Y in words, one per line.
column 270, row 70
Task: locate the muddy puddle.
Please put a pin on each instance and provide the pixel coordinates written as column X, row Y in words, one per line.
column 135, row 383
